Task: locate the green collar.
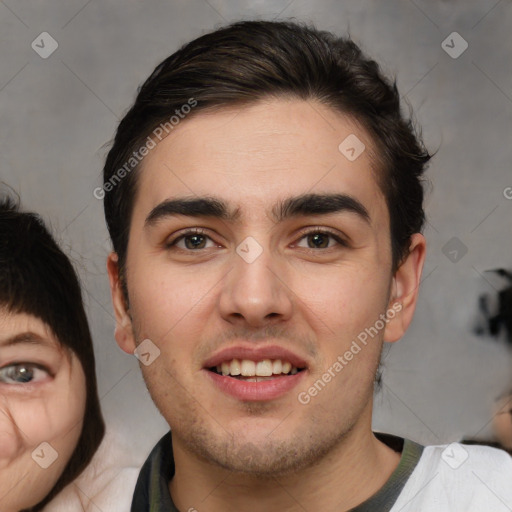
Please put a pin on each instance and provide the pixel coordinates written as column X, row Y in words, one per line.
column 152, row 489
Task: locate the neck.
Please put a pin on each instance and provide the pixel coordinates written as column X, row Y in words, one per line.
column 351, row 473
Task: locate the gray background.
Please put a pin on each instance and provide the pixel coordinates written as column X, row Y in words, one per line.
column 57, row 114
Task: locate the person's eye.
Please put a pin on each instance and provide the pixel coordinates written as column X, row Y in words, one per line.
column 192, row 241
column 319, row 239
column 23, row 373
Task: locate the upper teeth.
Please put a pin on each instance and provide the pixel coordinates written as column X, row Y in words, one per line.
column 248, row 368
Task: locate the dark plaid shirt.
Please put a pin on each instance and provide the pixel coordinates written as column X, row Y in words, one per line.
column 152, row 489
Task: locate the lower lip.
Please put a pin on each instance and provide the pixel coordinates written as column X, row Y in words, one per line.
column 256, row 391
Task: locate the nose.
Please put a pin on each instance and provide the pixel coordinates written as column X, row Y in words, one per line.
column 254, row 293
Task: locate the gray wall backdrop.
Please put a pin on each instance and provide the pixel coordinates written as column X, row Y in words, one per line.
column 58, row 112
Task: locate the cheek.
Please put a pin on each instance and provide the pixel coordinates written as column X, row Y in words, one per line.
column 166, row 302
column 55, row 416
column 172, row 310
column 37, row 419
column 344, row 301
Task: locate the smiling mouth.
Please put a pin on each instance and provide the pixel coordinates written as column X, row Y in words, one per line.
column 255, row 371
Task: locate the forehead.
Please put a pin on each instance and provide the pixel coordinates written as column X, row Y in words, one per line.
column 256, row 155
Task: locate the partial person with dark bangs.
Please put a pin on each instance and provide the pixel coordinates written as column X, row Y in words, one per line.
column 50, row 419
column 54, row 454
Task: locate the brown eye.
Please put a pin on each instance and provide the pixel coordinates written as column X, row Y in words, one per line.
column 318, row 240
column 195, row 241
column 192, row 241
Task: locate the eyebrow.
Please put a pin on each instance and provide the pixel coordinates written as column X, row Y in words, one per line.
column 191, row 207
column 26, row 338
column 320, row 204
column 303, row 205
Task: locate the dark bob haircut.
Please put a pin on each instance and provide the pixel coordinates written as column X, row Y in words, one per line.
column 37, row 278
column 252, row 60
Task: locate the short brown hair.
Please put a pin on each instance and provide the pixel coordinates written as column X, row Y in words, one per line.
column 248, row 61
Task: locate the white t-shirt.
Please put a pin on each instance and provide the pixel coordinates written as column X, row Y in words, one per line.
column 458, row 478
column 447, row 478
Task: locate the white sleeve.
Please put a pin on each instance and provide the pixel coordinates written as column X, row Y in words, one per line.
column 459, row 478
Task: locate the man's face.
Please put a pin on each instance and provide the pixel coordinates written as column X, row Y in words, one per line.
column 262, row 275
column 42, row 402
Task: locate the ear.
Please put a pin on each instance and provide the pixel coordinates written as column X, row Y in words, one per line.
column 123, row 332
column 404, row 290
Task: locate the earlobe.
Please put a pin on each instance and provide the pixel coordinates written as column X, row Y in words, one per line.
column 404, row 290
column 123, row 332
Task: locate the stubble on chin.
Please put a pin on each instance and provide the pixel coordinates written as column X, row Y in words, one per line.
column 265, row 458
